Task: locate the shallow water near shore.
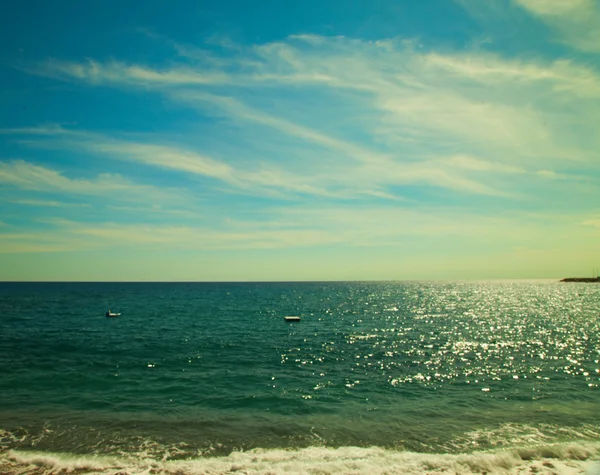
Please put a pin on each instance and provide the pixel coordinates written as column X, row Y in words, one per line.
column 193, row 375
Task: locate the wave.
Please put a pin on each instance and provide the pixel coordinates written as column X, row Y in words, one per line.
column 564, row 459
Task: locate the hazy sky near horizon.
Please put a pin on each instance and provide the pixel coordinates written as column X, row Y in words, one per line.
column 299, row 140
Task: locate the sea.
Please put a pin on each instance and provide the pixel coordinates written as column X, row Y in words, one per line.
column 375, row 378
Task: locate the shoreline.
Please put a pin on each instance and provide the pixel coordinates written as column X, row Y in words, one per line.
column 567, row 459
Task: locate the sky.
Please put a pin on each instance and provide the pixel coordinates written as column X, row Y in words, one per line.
column 293, row 140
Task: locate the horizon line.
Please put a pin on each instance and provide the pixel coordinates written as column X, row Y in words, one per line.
column 271, row 281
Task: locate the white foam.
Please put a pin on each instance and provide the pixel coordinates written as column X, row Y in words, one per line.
column 565, row 459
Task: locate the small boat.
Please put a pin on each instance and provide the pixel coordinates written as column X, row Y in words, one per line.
column 291, row 318
column 111, row 314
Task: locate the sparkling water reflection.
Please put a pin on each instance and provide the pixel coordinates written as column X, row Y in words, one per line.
column 422, row 366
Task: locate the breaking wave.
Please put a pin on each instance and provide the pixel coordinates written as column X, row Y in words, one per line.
column 553, row 458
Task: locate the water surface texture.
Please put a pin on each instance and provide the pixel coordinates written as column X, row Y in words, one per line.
column 201, row 370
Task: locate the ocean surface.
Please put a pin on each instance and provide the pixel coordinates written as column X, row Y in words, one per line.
column 386, row 377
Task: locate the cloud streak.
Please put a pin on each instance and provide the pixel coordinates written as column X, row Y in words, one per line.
column 28, row 176
column 411, row 96
column 577, row 21
column 51, row 204
column 261, row 180
column 305, row 227
column 369, row 177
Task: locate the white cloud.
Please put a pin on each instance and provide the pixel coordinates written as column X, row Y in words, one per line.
column 34, row 177
column 240, row 111
column 118, row 72
column 407, row 94
column 295, row 228
column 28, row 176
column 561, row 76
column 52, row 204
column 362, row 166
column 165, row 157
column 577, row 21
column 558, row 7
column 372, row 172
column 340, row 63
column 574, row 23
column 71, row 235
column 258, row 178
column 37, row 241
column 474, row 163
column 366, row 119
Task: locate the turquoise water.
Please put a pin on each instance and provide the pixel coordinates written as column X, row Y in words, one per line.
column 207, row 369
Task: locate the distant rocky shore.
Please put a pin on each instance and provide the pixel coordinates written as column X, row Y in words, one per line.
column 581, row 279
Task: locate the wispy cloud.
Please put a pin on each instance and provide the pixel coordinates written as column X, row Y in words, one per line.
column 261, row 179
column 409, row 96
column 71, row 235
column 29, row 176
column 51, row 204
column 367, row 174
column 574, row 23
column 305, row 227
column 363, row 169
column 119, row 72
column 561, row 76
column 577, row 21
column 240, row 111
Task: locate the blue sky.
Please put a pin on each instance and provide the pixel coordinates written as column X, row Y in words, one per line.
column 328, row 140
